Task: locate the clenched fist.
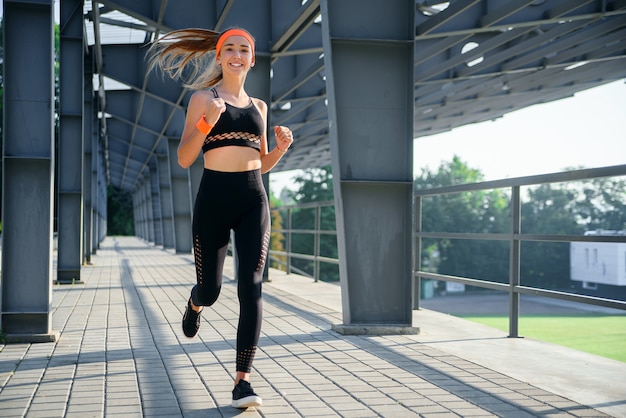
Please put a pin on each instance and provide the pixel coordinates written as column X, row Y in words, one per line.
column 214, row 106
column 284, row 138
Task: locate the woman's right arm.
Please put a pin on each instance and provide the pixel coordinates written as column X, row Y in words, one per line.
column 192, row 139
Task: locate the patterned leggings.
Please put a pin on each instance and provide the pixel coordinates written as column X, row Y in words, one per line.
column 238, row 202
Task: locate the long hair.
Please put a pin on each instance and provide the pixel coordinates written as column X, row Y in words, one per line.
column 187, row 55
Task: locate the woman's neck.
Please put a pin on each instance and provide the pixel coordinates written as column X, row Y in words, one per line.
column 232, row 88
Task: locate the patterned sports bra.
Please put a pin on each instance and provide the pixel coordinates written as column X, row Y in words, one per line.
column 238, row 126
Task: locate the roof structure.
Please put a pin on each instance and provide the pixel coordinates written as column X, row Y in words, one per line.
column 475, row 60
column 362, row 78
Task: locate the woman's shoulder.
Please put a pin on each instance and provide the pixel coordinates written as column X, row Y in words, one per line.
column 199, row 98
column 260, row 104
column 201, row 94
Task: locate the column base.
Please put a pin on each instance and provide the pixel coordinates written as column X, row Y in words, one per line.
column 51, row 337
column 68, row 276
column 66, row 282
column 375, row 329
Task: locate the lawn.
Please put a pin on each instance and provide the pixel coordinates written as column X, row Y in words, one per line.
column 597, row 334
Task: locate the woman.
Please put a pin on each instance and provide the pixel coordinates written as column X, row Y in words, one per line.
column 229, row 127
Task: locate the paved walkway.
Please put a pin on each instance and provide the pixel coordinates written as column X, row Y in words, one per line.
column 122, row 353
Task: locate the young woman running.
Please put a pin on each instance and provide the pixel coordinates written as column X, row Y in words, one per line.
column 229, row 127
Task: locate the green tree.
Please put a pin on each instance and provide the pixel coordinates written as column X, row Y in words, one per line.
column 465, row 212
column 603, row 204
column 548, row 209
column 120, row 219
column 566, row 209
column 314, row 185
column 569, row 208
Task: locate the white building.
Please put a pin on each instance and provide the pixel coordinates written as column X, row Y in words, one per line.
column 594, row 263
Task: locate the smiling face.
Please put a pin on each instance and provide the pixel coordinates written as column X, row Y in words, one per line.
column 235, row 54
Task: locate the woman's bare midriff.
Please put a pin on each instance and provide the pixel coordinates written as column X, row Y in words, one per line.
column 232, row 159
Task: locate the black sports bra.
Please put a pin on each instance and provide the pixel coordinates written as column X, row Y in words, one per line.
column 238, row 126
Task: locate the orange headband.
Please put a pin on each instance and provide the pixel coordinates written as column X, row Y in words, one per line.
column 233, row 32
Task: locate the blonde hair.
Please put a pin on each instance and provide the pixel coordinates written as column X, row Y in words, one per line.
column 187, row 55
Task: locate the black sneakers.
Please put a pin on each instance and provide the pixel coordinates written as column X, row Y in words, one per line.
column 191, row 321
column 244, row 396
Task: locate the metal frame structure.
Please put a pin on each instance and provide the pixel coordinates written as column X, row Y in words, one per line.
column 515, row 237
column 356, row 89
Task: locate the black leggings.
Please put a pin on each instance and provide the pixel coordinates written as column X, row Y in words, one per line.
column 238, row 202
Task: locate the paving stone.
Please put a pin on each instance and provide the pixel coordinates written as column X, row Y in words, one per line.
column 121, row 353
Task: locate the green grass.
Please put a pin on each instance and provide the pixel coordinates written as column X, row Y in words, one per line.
column 596, row 334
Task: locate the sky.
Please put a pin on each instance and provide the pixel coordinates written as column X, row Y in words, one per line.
column 586, row 130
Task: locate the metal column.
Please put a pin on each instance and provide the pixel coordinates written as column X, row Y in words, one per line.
column 369, row 76
column 98, row 185
column 88, row 157
column 101, row 189
column 137, row 215
column 149, row 211
column 165, row 194
column 181, row 200
column 157, row 223
column 70, row 205
column 28, row 164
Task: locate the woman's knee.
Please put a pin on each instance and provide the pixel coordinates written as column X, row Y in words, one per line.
column 249, row 288
column 205, row 295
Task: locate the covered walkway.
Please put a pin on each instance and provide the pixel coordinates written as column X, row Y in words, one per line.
column 121, row 353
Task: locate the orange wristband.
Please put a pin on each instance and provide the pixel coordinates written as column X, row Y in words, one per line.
column 203, row 126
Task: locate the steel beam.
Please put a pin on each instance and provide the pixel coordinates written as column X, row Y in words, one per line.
column 71, row 102
column 165, row 195
column 149, row 209
column 369, row 64
column 98, row 185
column 181, row 201
column 28, row 171
column 157, row 223
column 101, row 188
column 88, row 157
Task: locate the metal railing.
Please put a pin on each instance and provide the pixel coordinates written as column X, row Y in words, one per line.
column 288, row 212
column 514, row 237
